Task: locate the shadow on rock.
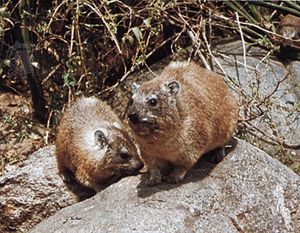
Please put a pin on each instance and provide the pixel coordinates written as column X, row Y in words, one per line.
column 82, row 193
column 201, row 169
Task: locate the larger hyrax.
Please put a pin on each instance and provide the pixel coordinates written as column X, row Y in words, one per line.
column 93, row 145
column 180, row 115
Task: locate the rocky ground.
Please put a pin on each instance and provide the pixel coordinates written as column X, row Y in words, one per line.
column 248, row 191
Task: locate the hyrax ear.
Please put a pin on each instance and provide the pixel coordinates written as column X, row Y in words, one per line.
column 135, row 87
column 100, row 138
column 173, row 87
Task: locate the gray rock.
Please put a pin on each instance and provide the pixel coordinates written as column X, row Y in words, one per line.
column 32, row 192
column 294, row 67
column 247, row 192
column 259, row 77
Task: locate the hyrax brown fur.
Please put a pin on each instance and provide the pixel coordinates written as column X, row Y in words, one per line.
column 93, row 145
column 289, row 27
column 180, row 115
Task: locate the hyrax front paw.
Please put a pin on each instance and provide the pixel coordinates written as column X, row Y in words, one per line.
column 155, row 177
column 153, row 181
column 176, row 175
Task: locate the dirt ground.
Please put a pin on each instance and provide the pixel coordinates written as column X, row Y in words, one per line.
column 20, row 134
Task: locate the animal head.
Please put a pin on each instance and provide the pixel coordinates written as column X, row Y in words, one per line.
column 115, row 154
column 289, row 27
column 154, row 107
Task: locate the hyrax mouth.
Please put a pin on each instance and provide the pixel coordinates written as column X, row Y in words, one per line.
column 133, row 118
column 142, row 126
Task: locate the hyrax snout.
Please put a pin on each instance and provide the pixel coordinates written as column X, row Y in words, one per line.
column 178, row 116
column 94, row 146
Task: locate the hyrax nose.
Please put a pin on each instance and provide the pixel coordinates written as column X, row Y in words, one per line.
column 124, row 154
column 133, row 117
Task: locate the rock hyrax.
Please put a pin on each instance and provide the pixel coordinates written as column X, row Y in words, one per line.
column 289, row 27
column 180, row 115
column 93, row 145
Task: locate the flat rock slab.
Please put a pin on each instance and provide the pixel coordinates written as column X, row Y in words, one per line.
column 247, row 192
column 32, row 192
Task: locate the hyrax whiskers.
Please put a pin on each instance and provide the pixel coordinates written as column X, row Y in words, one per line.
column 93, row 145
column 178, row 116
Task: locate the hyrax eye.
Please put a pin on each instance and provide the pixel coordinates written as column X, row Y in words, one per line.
column 153, row 102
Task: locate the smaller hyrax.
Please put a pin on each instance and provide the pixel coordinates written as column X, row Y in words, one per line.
column 180, row 115
column 93, row 145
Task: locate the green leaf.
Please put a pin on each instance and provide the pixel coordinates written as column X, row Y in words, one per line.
column 130, row 40
column 68, row 80
column 3, row 11
column 147, row 22
column 7, row 62
column 137, row 32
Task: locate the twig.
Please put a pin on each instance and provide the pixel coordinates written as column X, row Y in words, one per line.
column 80, row 79
column 243, row 42
column 55, row 12
column 51, row 73
column 275, row 6
column 98, row 12
column 208, row 46
column 150, row 70
column 79, row 37
column 196, row 42
column 12, row 89
column 236, row 61
column 263, row 59
column 132, row 69
column 48, row 127
column 271, row 140
column 148, row 55
column 292, row 4
column 72, row 38
column 222, row 17
column 275, row 89
column 264, row 30
column 238, row 8
column 198, row 45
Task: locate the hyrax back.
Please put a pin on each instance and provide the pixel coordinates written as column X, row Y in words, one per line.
column 93, row 145
column 180, row 115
